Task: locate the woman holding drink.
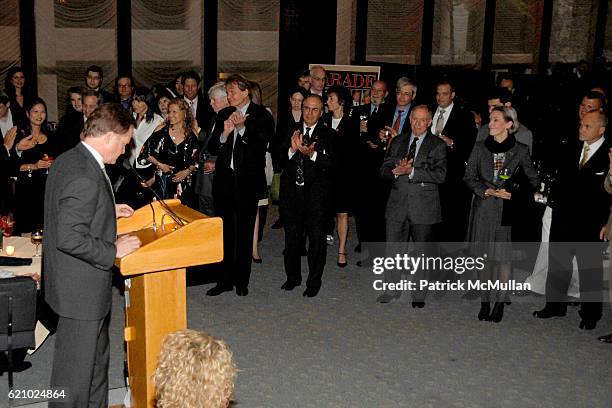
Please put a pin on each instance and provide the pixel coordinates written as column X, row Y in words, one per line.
column 497, row 169
column 32, row 165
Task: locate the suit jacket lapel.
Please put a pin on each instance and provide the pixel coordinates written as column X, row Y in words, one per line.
column 402, row 151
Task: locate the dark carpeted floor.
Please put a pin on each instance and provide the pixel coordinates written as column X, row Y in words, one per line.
column 342, row 349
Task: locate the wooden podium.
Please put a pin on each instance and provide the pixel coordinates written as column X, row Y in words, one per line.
column 155, row 292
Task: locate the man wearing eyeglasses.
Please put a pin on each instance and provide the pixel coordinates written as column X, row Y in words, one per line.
column 124, row 89
column 318, row 77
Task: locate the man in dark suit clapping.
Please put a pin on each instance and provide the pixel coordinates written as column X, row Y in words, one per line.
column 240, row 145
column 416, row 164
column 80, row 248
column 305, row 194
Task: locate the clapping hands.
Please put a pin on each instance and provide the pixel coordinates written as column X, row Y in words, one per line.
column 404, row 166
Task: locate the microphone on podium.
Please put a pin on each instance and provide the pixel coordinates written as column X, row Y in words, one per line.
column 174, row 216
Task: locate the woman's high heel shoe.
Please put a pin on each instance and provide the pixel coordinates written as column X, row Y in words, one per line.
column 342, row 264
column 498, row 312
column 485, row 308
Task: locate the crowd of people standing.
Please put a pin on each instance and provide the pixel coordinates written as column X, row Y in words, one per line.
column 406, row 171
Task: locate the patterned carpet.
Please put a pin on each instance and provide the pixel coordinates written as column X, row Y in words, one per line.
column 342, row 349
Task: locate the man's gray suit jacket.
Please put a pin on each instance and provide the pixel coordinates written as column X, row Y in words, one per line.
column 80, row 233
column 416, row 199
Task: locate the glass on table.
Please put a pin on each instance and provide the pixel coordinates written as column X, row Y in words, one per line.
column 36, row 239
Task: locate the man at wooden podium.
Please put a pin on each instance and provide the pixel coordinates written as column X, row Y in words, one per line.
column 80, row 247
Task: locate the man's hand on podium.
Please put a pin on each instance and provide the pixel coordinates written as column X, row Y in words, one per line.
column 126, row 244
column 123, row 210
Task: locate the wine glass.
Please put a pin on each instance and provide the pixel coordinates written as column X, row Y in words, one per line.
column 47, row 158
column 36, row 239
column 504, row 174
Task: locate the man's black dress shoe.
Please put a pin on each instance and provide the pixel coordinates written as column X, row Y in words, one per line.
column 217, row 290
column 311, row 292
column 587, row 324
column 498, row 312
column 485, row 310
column 549, row 312
column 420, row 305
column 289, row 285
column 605, row 339
column 242, row 291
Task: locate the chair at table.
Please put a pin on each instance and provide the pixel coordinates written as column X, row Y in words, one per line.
column 17, row 317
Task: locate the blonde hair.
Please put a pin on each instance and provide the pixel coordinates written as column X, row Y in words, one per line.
column 184, row 107
column 194, row 370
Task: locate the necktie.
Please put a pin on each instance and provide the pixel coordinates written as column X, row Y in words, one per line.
column 585, row 155
column 396, row 124
column 299, row 173
column 440, row 123
column 412, row 148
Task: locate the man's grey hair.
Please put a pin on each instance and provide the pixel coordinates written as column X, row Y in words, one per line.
column 403, row 81
column 603, row 118
column 421, row 107
column 217, row 90
column 318, row 67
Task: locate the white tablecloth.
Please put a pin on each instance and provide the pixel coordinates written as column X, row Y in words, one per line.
column 23, row 249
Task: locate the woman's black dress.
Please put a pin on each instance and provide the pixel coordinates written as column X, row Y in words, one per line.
column 345, row 162
column 161, row 146
column 30, row 186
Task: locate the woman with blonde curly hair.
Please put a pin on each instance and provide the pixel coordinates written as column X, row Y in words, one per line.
column 173, row 150
column 194, row 370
